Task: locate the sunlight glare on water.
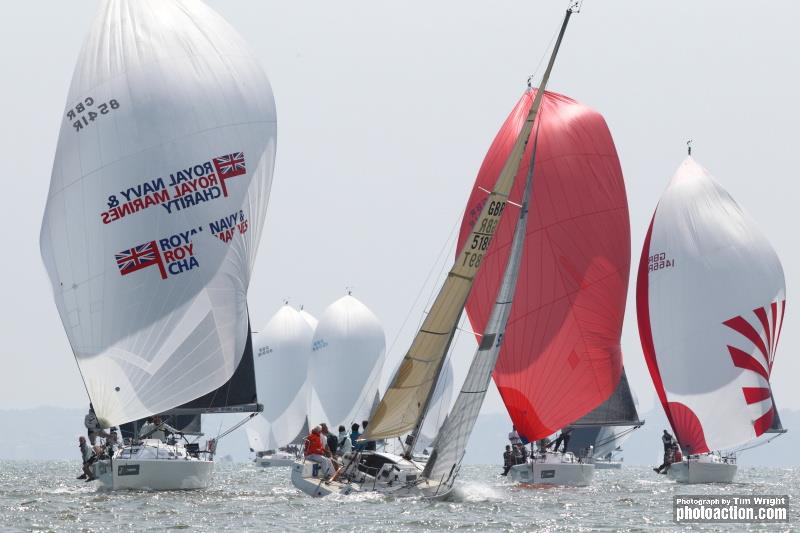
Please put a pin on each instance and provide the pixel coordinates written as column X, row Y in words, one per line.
column 45, row 496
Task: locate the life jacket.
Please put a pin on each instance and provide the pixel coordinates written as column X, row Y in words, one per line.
column 314, row 445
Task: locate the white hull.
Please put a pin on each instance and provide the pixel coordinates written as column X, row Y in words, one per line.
column 554, row 469
column 140, row 468
column 702, row 471
column 275, row 460
column 399, row 483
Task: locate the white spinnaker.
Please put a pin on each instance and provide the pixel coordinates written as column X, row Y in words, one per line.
column 258, row 430
column 309, row 318
column 712, row 290
column 151, row 280
column 346, row 363
column 282, row 351
column 441, row 402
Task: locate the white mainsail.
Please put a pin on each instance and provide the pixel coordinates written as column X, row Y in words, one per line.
column 710, row 301
column 441, row 403
column 348, row 352
column 157, row 200
column 282, row 351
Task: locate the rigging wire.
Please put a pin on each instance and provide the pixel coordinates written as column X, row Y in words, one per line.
column 759, row 444
column 442, row 253
column 575, row 6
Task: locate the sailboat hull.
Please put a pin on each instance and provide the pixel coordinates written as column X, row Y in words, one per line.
column 279, row 459
column 156, row 474
column 702, row 471
column 400, row 480
column 554, row 469
column 154, row 467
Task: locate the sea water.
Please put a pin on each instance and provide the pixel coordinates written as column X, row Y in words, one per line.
column 45, row 496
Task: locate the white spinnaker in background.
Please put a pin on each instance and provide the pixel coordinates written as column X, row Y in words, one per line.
column 157, row 200
column 309, row 318
column 347, row 358
column 281, row 354
column 711, row 292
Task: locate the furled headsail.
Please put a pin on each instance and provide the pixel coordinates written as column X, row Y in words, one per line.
column 561, row 354
column 282, row 352
column 157, row 200
column 710, row 299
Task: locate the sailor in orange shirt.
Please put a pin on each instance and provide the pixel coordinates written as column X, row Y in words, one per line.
column 315, row 452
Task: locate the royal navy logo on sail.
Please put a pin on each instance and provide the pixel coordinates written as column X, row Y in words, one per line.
column 175, row 254
column 182, row 189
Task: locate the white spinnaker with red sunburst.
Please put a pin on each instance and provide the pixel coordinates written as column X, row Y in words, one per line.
column 710, row 299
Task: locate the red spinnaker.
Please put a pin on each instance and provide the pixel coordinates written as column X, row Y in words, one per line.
column 561, row 353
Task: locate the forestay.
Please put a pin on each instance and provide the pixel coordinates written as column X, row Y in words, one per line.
column 282, row 352
column 157, row 199
column 710, row 299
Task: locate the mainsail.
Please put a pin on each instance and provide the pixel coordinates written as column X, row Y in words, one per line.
column 710, row 299
column 618, row 410
column 157, row 200
column 439, row 410
column 408, row 397
column 448, row 451
column 561, row 354
column 348, row 351
column 282, row 351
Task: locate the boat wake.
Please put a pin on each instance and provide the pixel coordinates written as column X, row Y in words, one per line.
column 471, row 492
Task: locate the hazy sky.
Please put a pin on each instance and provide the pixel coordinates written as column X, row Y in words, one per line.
column 385, row 112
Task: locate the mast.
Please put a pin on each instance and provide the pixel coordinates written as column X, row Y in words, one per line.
column 458, row 426
column 512, row 166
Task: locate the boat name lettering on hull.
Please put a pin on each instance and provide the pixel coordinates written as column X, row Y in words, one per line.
column 128, row 470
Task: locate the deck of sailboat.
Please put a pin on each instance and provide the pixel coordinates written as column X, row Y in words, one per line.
column 388, row 482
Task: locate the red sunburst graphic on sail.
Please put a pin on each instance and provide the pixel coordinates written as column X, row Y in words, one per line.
column 770, row 319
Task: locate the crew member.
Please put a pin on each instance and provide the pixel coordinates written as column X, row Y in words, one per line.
column 563, row 437
column 513, row 436
column 508, row 460
column 93, row 427
column 669, row 452
column 370, row 445
column 155, row 428
column 88, row 457
column 343, row 444
column 314, row 451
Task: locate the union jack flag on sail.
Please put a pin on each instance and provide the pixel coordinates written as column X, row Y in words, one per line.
column 140, row 257
column 229, row 166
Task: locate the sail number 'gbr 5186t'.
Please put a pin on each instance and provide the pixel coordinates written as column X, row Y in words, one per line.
column 482, row 237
